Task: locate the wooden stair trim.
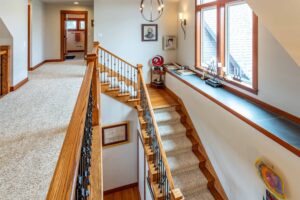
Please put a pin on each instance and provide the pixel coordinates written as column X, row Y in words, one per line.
column 114, row 55
column 214, row 184
column 159, row 141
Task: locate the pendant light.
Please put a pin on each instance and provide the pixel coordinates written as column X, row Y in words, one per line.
column 155, row 12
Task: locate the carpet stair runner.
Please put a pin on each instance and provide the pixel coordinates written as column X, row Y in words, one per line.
column 183, row 163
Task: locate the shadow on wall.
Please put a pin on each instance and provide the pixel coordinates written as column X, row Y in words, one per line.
column 6, row 39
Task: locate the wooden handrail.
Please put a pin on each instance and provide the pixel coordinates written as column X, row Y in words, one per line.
column 63, row 184
column 105, row 50
column 159, row 141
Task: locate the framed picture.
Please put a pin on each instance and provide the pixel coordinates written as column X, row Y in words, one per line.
column 169, row 42
column 149, row 32
column 115, row 134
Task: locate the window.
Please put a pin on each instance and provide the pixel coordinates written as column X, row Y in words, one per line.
column 239, row 45
column 208, row 37
column 227, row 36
column 71, row 24
column 82, row 25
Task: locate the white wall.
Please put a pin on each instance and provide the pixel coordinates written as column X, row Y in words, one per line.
column 278, row 74
column 37, row 32
column 284, row 26
column 119, row 162
column 118, row 28
column 233, row 147
column 14, row 16
column 52, row 46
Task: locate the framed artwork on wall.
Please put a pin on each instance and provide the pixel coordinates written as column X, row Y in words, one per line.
column 149, row 32
column 115, row 134
column 169, row 42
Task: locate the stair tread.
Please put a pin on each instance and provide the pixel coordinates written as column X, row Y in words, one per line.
column 165, row 109
column 178, row 144
column 183, row 162
column 167, row 116
column 200, row 195
column 171, row 130
column 190, row 181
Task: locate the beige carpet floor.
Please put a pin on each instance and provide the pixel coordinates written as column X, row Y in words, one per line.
column 33, row 122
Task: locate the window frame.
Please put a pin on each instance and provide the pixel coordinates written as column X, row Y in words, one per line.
column 221, row 42
column 78, row 20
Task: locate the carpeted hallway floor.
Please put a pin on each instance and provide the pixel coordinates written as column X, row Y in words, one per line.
column 33, row 123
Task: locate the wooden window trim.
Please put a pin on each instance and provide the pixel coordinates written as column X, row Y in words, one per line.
column 221, row 21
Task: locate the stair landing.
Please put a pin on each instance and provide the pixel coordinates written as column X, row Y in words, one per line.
column 160, row 98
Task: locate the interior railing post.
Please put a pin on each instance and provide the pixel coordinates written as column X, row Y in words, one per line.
column 93, row 58
column 139, row 72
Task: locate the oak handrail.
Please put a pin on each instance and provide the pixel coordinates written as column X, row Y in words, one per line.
column 63, row 184
column 162, row 151
column 105, row 50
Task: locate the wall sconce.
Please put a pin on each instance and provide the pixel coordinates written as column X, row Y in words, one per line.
column 183, row 24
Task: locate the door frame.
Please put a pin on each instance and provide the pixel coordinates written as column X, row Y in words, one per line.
column 29, row 37
column 63, row 14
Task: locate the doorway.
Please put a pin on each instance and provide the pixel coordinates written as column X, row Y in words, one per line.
column 74, row 34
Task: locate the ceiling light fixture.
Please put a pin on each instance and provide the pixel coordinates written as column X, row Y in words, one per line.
column 76, row 2
column 155, row 14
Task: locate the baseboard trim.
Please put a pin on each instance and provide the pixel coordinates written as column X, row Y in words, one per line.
column 44, row 62
column 20, row 84
column 37, row 66
column 120, row 188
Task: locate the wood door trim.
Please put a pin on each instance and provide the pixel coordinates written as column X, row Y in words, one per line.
column 62, row 30
column 29, row 37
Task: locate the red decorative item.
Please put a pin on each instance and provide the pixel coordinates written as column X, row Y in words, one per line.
column 158, row 61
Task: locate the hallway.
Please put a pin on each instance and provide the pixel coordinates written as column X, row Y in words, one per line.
column 33, row 122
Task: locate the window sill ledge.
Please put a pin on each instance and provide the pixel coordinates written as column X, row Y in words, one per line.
column 252, row 90
column 270, row 121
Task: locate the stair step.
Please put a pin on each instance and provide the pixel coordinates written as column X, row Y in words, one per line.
column 112, row 89
column 171, row 130
column 190, row 182
column 166, row 109
column 167, row 117
column 200, row 195
column 177, row 145
column 182, row 162
column 133, row 100
column 123, row 94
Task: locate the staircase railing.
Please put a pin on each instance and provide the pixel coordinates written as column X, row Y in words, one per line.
column 164, row 179
column 119, row 73
column 4, row 70
column 78, row 171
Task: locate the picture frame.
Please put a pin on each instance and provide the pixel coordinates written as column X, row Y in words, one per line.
column 169, row 42
column 115, row 134
column 149, row 32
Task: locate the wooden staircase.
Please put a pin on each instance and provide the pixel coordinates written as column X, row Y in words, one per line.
column 124, row 82
column 119, row 79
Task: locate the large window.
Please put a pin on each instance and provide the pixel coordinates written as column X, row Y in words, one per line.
column 227, row 36
column 208, row 37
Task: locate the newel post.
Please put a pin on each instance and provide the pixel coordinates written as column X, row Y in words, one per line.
column 92, row 60
column 96, row 46
column 139, row 75
column 176, row 194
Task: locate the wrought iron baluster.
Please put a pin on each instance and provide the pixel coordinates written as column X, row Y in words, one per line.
column 83, row 178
